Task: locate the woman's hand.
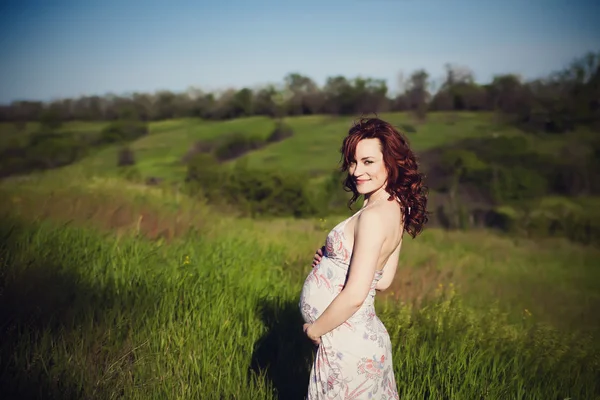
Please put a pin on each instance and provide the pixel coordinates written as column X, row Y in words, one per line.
column 318, row 256
column 314, row 339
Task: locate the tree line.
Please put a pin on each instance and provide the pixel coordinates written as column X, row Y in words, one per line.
column 554, row 103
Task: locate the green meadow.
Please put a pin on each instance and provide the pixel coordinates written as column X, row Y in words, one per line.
column 111, row 288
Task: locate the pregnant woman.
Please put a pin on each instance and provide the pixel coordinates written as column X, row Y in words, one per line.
column 354, row 355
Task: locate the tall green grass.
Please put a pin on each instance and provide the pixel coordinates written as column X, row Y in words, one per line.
column 90, row 315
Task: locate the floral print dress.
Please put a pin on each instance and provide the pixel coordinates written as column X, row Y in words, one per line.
column 354, row 361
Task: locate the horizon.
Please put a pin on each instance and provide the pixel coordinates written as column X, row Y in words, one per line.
column 144, row 48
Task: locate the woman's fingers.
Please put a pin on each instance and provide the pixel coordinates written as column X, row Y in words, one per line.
column 318, row 256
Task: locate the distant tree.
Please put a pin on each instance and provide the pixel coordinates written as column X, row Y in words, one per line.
column 417, row 94
column 505, row 93
column 264, row 101
column 554, row 103
column 280, row 99
column 305, row 95
column 370, row 95
column 459, row 92
column 242, row 103
column 50, row 119
column 400, row 101
column 338, row 94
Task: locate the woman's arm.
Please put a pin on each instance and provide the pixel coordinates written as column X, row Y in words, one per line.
column 369, row 238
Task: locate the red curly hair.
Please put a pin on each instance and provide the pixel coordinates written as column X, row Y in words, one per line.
column 404, row 179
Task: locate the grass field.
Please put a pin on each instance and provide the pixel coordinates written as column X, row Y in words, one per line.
column 313, row 149
column 112, row 289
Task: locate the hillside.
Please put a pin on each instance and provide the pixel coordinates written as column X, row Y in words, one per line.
column 317, row 138
column 110, row 281
column 95, row 188
column 480, row 171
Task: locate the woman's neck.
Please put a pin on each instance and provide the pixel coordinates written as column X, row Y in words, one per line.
column 377, row 195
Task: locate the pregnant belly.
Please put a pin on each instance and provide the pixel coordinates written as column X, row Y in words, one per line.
column 321, row 286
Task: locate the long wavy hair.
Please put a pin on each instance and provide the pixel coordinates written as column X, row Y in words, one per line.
column 404, row 181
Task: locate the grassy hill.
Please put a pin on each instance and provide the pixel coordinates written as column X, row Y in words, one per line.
column 113, row 288
column 313, row 148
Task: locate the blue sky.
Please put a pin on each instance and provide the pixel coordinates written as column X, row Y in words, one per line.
column 55, row 49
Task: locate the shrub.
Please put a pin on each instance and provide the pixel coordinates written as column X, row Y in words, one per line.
column 408, row 128
column 123, row 131
column 514, row 183
column 563, row 217
column 125, row 157
column 131, row 173
column 51, row 150
column 237, row 144
column 20, row 125
column 198, row 147
column 204, row 176
column 505, row 218
column 459, row 166
column 510, row 172
column 549, row 217
column 43, row 150
column 334, row 198
column 50, row 120
column 282, row 131
column 153, row 181
column 270, row 192
column 461, row 162
column 254, row 192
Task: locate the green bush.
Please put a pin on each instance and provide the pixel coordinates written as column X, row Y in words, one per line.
column 49, row 148
column 511, row 170
column 282, row 131
column 43, row 150
column 131, row 173
column 204, row 176
column 270, row 192
column 514, row 183
column 550, row 217
column 126, row 157
column 562, row 217
column 50, row 120
column 237, row 144
column 255, row 192
column 499, row 148
column 333, row 197
column 574, row 177
column 461, row 162
column 52, row 149
column 518, row 180
column 123, row 131
column 407, row 128
column 201, row 146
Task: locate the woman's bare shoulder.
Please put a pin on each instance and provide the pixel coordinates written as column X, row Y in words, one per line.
column 384, row 213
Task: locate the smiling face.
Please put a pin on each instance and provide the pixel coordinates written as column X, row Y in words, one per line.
column 368, row 167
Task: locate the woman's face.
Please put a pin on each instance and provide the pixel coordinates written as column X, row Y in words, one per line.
column 368, row 168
